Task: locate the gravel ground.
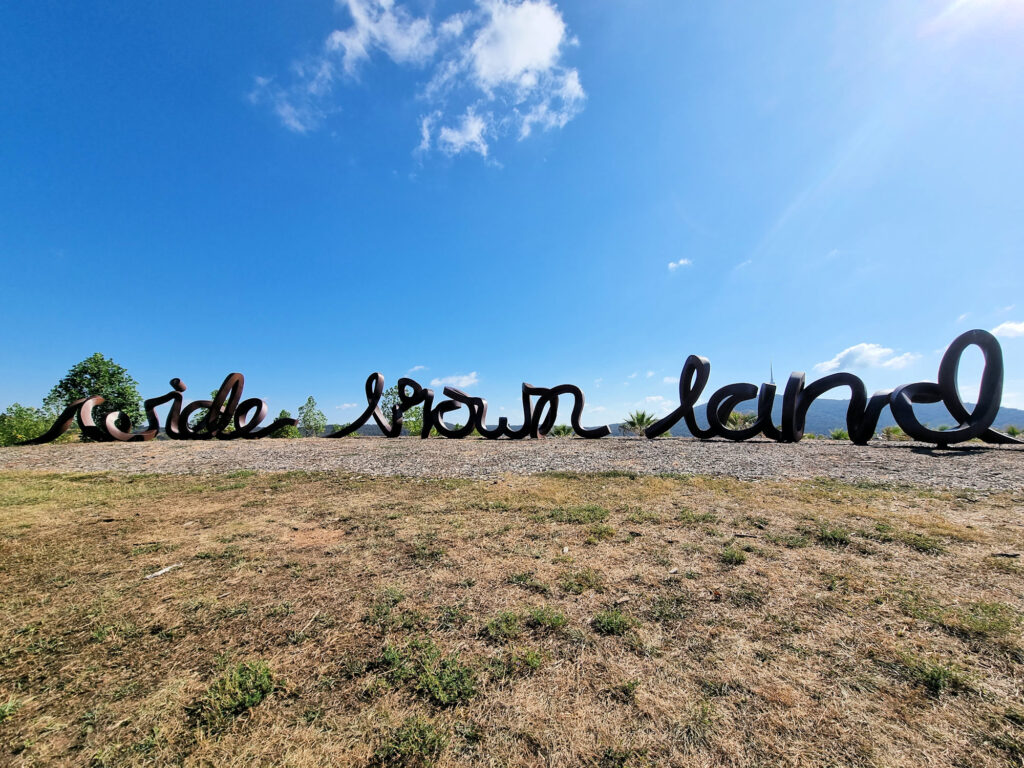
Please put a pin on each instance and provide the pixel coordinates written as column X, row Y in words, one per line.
column 980, row 467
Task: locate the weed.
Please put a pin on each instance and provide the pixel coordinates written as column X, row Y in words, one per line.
column 599, row 532
column 238, row 689
column 732, row 556
column 612, row 622
column 517, row 662
column 833, row 535
column 451, row 617
column 578, row 582
column 589, row 513
column 671, row 608
column 416, row 742
column 442, row 679
column 689, row 517
column 505, row 626
column 937, row 678
column 8, row 708
column 528, row 581
column 546, row 617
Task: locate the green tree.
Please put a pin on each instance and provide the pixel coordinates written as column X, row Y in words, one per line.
column 98, row 375
column 197, row 418
column 287, row 430
column 311, row 419
column 561, row 430
column 21, row 422
column 636, row 422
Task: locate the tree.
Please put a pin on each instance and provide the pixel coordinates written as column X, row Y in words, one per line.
column 197, row 418
column 312, row 419
column 98, row 375
column 562, row 430
column 287, row 430
column 21, row 422
column 636, row 422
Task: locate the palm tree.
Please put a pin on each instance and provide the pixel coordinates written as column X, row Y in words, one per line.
column 561, row 430
column 741, row 420
column 636, row 422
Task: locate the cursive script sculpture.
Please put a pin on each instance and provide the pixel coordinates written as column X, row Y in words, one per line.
column 540, row 408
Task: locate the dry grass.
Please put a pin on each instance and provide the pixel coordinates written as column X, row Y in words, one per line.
column 561, row 620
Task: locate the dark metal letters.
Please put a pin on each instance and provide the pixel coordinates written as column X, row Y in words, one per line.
column 540, row 408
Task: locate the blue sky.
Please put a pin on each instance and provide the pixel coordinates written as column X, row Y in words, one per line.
column 491, row 192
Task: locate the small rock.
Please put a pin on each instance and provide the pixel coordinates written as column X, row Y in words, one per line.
column 565, row 550
column 674, row 570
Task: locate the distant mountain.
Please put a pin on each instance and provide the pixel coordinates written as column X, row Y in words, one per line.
column 823, row 416
column 826, row 415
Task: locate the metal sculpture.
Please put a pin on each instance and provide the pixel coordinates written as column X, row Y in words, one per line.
column 540, row 408
column 223, row 411
column 863, row 412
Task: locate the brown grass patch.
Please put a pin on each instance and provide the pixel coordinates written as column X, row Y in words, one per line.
column 560, row 620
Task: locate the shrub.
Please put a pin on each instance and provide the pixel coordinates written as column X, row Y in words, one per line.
column 839, row 434
column 20, row 422
column 562, row 430
column 286, row 431
column 1013, row 431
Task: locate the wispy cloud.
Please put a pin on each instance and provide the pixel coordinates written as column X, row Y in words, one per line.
column 963, row 317
column 1009, row 330
column 649, row 374
column 670, row 380
column 674, row 265
column 866, row 356
column 417, row 368
column 495, row 70
column 459, row 380
column 345, row 406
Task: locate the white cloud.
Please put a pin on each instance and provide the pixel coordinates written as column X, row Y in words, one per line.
column 345, row 406
column 674, row 265
column 670, row 380
column 469, row 135
column 596, row 408
column 417, row 368
column 597, row 382
column 459, row 381
column 649, row 374
column 495, row 70
column 381, row 24
column 1009, row 330
column 963, row 317
column 866, row 356
column 634, row 374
